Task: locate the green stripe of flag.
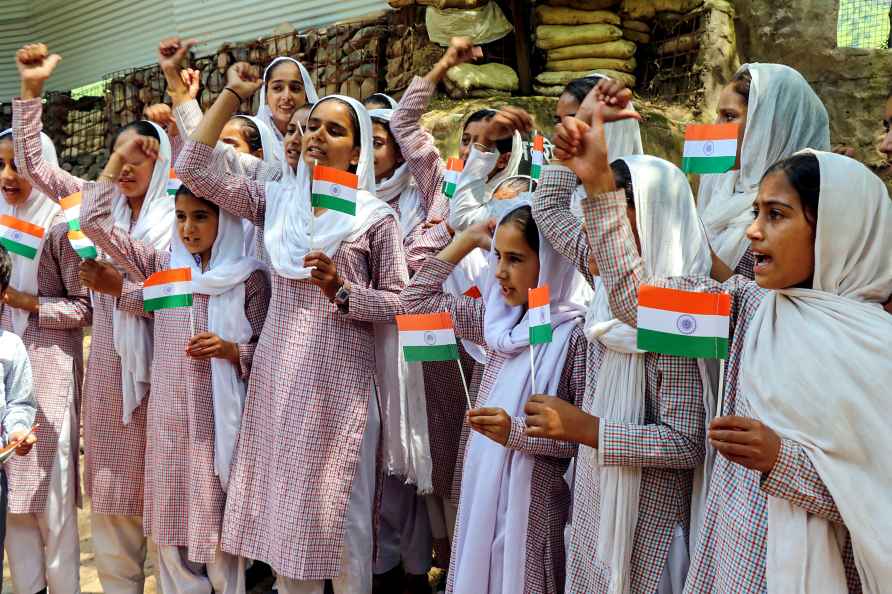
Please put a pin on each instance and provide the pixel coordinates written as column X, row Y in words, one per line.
column 449, row 189
column 74, row 225
column 87, row 253
column 332, row 203
column 698, row 347
column 443, row 352
column 707, row 164
column 535, row 171
column 18, row 248
column 540, row 334
column 167, row 302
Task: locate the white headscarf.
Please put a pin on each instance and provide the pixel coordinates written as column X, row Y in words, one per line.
column 673, row 243
column 290, row 229
column 495, row 494
column 273, row 153
column 784, row 115
column 38, row 210
column 513, row 163
column 132, row 334
column 400, row 185
column 816, row 369
column 224, row 283
column 623, row 139
column 265, row 113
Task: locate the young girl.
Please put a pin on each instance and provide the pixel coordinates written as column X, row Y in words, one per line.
column 201, row 358
column 287, row 87
column 779, row 114
column 634, row 472
column 379, row 101
column 118, row 370
column 514, row 501
column 787, row 482
column 47, row 307
column 300, row 496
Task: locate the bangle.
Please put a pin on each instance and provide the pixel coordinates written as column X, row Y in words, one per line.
column 240, row 100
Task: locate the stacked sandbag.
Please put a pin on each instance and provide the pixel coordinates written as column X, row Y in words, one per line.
column 409, row 53
column 580, row 37
column 483, row 80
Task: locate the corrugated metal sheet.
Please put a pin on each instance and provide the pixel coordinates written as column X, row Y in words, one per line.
column 96, row 37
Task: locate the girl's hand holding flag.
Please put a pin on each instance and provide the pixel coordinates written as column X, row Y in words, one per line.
column 553, row 418
column 493, row 423
column 207, row 345
column 745, row 441
column 101, row 277
column 324, row 274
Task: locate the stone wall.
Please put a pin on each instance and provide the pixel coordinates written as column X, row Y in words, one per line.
column 853, row 83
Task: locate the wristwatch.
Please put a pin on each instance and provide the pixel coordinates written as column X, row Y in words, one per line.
column 342, row 297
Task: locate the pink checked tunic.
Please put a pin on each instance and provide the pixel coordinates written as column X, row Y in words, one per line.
column 183, row 497
column 54, row 339
column 114, row 452
column 550, row 497
column 667, row 446
column 307, row 403
column 730, row 557
column 445, row 395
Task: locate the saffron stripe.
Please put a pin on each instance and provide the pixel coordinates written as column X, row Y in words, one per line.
column 691, row 302
column 538, row 296
column 711, row 131
column 172, row 275
column 23, row 226
column 335, row 176
column 70, row 201
column 455, row 164
column 440, row 320
column 683, row 346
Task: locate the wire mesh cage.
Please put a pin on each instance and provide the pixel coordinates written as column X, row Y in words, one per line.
column 668, row 65
column 864, row 24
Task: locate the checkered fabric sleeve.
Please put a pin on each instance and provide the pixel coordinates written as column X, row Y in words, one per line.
column 428, row 245
column 55, row 182
column 71, row 310
column 378, row 299
column 416, row 144
column 551, row 211
column 795, row 479
column 425, row 295
column 257, row 298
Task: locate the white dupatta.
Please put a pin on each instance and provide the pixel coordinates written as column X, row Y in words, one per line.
column 266, row 114
column 832, row 396
column 784, row 115
column 224, row 283
column 132, row 334
column 490, row 541
column 274, row 156
column 673, row 243
column 38, row 210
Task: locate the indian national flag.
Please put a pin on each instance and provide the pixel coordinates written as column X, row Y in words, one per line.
column 167, row 289
column 334, row 189
column 71, row 208
column 427, row 337
column 173, row 183
column 454, row 168
column 82, row 245
column 537, row 156
column 20, row 237
column 473, row 292
column 709, row 148
column 683, row 323
column 539, row 315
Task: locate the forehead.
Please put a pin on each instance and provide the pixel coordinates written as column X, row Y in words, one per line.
column 332, row 111
column 731, row 99
column 777, row 188
column 567, row 104
column 125, row 136
column 475, row 128
column 232, row 127
column 379, row 129
column 286, row 70
column 6, row 145
column 189, row 203
column 509, row 238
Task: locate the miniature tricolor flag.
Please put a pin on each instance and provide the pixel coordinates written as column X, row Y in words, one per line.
column 473, row 292
column 709, row 148
column 82, row 245
column 454, row 167
column 334, row 189
column 537, row 156
column 71, row 209
column 173, row 183
column 20, row 237
column 167, row 289
column 683, row 323
column 539, row 315
column 427, row 337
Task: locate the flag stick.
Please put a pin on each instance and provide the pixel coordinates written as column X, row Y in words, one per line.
column 464, row 382
column 312, row 208
column 532, row 370
column 192, row 319
column 721, row 397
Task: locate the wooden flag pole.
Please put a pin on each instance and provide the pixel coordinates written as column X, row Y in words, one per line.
column 312, row 208
column 464, row 382
column 720, row 401
column 532, row 370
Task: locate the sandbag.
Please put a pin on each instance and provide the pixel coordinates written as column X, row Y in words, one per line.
column 558, row 15
column 591, row 64
column 647, row 9
column 584, row 4
column 552, row 36
column 463, row 4
column 549, row 90
column 483, row 25
column 483, row 76
column 636, row 25
column 636, row 36
column 619, row 49
column 562, row 78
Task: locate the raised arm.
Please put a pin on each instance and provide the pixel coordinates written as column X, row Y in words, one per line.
column 551, row 211
column 71, row 310
column 35, row 66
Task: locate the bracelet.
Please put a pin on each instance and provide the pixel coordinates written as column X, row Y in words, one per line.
column 240, row 100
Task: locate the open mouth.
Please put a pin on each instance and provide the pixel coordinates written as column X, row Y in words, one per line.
column 762, row 261
column 11, row 191
column 315, row 152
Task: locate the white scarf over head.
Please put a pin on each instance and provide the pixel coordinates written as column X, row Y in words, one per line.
column 673, row 243
column 265, row 113
column 132, row 334
column 273, row 153
column 784, row 115
column 393, row 103
column 38, row 210
column 513, row 163
column 405, row 436
column 224, row 283
column 291, row 230
column 816, row 369
column 490, row 545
